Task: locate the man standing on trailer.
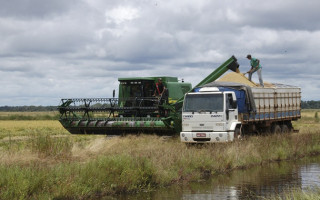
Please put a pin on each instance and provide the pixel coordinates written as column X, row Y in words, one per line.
column 255, row 67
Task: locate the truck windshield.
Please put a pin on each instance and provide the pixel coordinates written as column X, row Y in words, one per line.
column 203, row 102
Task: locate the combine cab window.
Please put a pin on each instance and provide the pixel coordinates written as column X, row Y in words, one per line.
column 148, row 88
column 135, row 91
column 203, row 102
column 132, row 89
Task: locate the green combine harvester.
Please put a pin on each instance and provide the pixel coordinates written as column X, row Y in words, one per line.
column 136, row 110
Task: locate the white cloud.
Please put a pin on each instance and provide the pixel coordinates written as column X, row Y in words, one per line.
column 121, row 14
column 80, row 48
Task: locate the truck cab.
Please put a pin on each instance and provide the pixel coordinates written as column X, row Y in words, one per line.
column 209, row 115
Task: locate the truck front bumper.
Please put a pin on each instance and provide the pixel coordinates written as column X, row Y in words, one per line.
column 206, row 137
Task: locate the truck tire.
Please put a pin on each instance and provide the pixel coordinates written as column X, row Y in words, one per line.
column 284, row 129
column 237, row 134
column 276, row 129
column 290, row 127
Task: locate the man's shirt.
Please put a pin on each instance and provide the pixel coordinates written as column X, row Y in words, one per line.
column 254, row 63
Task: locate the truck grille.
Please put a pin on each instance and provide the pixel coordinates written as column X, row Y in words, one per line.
column 201, row 139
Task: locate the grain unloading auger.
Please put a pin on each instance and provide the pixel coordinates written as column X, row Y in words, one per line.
column 136, row 110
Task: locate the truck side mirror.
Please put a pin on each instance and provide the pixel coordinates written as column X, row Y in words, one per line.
column 234, row 104
column 227, row 114
column 113, row 93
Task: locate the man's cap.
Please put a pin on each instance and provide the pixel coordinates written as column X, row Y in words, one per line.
column 248, row 56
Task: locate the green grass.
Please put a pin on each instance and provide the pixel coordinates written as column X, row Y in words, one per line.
column 102, row 176
column 40, row 160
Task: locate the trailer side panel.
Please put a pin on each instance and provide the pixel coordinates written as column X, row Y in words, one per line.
column 275, row 104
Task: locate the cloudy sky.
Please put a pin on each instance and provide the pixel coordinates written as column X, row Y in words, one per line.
column 78, row 48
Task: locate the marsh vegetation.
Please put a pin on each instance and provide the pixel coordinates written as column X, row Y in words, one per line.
column 39, row 159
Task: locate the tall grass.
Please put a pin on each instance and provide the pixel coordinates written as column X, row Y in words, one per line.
column 29, row 115
column 102, row 176
column 298, row 194
column 47, row 146
column 44, row 163
column 130, row 164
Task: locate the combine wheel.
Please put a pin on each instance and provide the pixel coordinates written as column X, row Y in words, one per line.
column 276, row 129
column 284, row 129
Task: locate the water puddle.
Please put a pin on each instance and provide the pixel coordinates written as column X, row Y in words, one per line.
column 257, row 182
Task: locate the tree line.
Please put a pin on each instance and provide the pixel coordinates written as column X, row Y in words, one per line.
column 27, row 108
column 310, row 104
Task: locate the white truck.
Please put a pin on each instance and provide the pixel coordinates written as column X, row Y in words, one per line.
column 224, row 111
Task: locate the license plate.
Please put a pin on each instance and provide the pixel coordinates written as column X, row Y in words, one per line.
column 201, row 135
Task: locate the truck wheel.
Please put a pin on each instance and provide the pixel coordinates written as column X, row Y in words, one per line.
column 276, row 129
column 189, row 145
column 237, row 134
column 290, row 127
column 284, row 129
